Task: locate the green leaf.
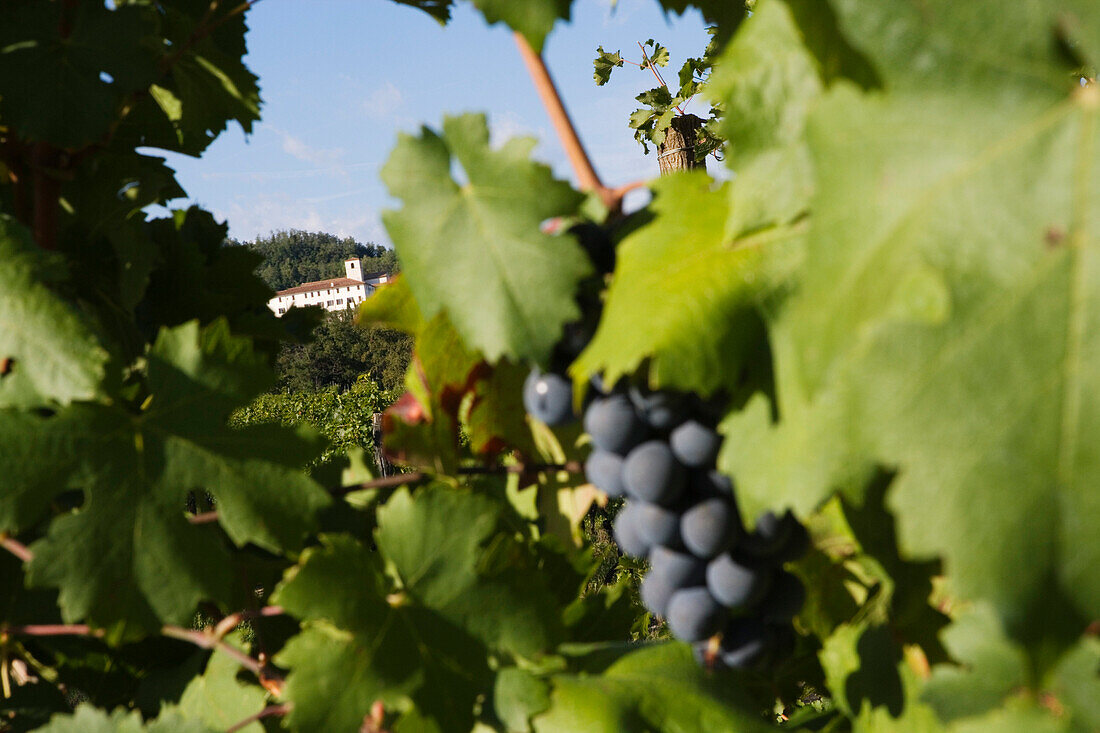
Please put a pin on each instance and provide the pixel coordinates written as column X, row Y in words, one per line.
column 685, row 291
column 659, row 688
column 991, row 667
column 128, row 553
column 50, row 353
column 946, row 327
column 438, row 9
column 484, row 231
column 656, row 56
column 419, row 636
column 218, row 699
column 532, row 18
column 508, row 611
column 88, row 719
column 358, row 647
column 604, row 63
column 518, row 695
column 51, row 87
column 766, row 81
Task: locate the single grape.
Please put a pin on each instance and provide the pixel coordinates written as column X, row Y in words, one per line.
column 694, row 615
column 625, row 531
column 613, row 424
column 737, row 586
column 767, row 539
column 651, row 473
column 704, row 484
column 745, row 641
column 679, row 569
column 549, row 397
column 662, row 409
column 797, row 543
column 710, row 527
column 694, row 444
column 784, row 600
column 783, row 641
column 655, row 592
column 659, row 525
column 605, row 471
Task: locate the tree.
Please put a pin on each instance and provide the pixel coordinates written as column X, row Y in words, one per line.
column 340, row 352
column 292, row 257
column 890, row 313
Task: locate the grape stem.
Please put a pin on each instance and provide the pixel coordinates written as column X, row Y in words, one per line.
column 563, row 126
column 656, row 74
column 16, row 548
column 269, row 712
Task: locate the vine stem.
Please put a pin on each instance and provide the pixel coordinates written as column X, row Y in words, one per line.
column 16, row 548
column 656, row 74
column 269, row 712
column 563, row 125
column 233, row 620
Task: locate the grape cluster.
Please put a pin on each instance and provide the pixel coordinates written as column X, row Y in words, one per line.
column 707, row 575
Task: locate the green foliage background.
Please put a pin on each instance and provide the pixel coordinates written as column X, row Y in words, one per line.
column 898, row 289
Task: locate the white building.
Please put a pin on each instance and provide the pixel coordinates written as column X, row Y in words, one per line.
column 334, row 294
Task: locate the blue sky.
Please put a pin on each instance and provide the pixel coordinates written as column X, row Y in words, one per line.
column 341, row 78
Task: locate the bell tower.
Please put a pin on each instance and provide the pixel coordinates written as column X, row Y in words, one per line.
column 353, row 266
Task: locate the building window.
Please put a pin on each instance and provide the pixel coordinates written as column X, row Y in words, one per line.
column 328, row 303
column 339, row 301
column 282, row 311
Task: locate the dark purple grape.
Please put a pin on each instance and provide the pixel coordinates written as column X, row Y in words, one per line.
column 783, row 642
column 797, row 544
column 745, row 641
column 662, row 410
column 655, row 592
column 651, row 473
column 784, row 600
column 694, row 615
column 549, row 397
column 694, row 444
column 737, row 586
column 659, row 525
column 767, row 537
column 613, row 424
column 627, row 536
column 680, row 569
column 776, row 539
column 605, row 470
column 710, row 527
column 704, row 484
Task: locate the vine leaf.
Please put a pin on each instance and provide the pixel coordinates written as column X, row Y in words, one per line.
column 533, row 18
column 707, row 280
column 604, row 63
column 659, row 688
column 422, row 640
column 947, row 327
column 217, row 698
column 89, row 719
column 475, row 249
column 128, row 554
column 766, row 81
column 51, row 353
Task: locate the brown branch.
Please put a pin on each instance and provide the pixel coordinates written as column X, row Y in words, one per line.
column 51, row 630
column 233, row 620
column 47, row 191
column 268, row 712
column 207, row 640
column 571, row 467
column 16, row 548
column 563, row 126
column 204, row 518
column 386, row 482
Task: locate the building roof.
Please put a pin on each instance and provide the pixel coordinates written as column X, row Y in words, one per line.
column 373, row 275
column 332, row 282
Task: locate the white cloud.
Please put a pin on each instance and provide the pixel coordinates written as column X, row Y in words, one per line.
column 298, row 148
column 257, row 216
column 383, row 102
